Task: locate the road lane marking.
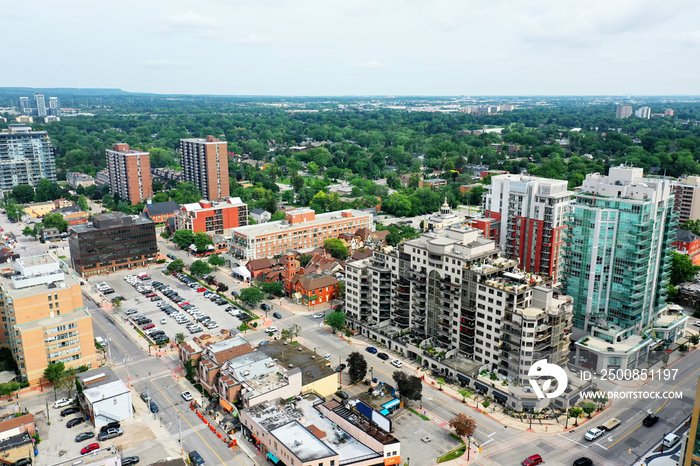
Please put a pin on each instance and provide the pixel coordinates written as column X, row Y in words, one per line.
column 573, row 441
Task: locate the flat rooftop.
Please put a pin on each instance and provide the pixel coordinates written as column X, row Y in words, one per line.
column 279, row 227
column 300, row 441
column 312, row 365
column 56, row 320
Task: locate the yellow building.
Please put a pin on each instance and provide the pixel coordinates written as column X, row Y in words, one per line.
column 692, row 448
column 38, row 209
column 44, row 319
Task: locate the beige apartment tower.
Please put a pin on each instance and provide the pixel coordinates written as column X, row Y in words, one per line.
column 205, row 163
column 129, row 173
column 44, row 318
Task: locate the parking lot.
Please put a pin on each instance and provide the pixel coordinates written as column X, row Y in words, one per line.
column 137, row 304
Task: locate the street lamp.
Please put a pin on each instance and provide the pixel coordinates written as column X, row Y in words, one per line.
column 408, row 461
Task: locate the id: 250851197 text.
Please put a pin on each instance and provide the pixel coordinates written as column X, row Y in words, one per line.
column 631, row 374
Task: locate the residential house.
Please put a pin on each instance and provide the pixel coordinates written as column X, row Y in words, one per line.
column 260, row 215
column 258, row 267
column 16, row 431
column 310, row 290
column 215, row 355
column 51, row 234
column 160, row 212
column 688, row 243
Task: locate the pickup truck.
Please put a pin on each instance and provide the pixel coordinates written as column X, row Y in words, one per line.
column 611, row 424
column 593, row 434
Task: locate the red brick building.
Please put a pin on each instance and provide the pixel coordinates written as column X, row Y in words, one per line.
column 688, row 243
column 310, row 290
column 213, row 217
column 160, row 212
column 129, row 173
column 490, row 227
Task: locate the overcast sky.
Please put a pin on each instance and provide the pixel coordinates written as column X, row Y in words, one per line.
column 355, row 47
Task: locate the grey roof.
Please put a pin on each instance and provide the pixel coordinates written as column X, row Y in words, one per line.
column 253, row 365
column 686, row 236
column 162, row 208
column 258, row 211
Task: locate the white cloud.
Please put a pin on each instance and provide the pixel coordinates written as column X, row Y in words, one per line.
column 252, row 39
column 370, row 65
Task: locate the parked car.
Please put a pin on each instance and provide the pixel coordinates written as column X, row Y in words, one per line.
column 650, row 420
column 533, row 460
column 396, row 363
column 148, row 326
column 327, row 357
column 111, row 425
column 593, row 434
column 154, row 407
column 23, row 462
column 110, row 433
column 74, row 422
column 131, row 311
column 276, row 315
column 63, row 402
column 371, row 350
column 343, row 395
column 187, row 396
column 383, row 356
column 583, row 461
column 670, row 440
column 84, row 436
column 319, row 315
column 69, row 411
column 340, row 367
column 265, row 307
column 129, row 460
column 145, row 397
column 201, row 289
column 196, row 459
column 89, row 448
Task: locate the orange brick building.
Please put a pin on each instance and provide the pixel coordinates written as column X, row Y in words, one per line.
column 129, row 173
column 212, row 217
column 310, row 290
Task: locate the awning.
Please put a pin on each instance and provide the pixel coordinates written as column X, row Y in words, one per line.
column 225, row 404
column 384, row 412
column 392, row 403
column 502, row 398
column 241, row 272
column 273, row 457
column 481, row 386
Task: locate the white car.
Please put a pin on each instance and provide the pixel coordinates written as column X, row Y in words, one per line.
column 63, row 402
column 396, row 363
column 187, row 396
column 327, row 357
column 697, row 323
column 593, row 434
column 271, row 329
column 318, row 316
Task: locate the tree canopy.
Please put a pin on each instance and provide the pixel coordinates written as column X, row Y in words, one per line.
column 200, row 268
column 463, row 425
column 357, row 367
column 410, row 387
column 252, row 296
column 336, row 320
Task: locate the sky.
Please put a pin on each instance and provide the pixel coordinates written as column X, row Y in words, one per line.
column 355, row 47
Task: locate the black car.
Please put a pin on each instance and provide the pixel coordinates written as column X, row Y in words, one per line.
column 111, row 425
column 75, row 422
column 84, row 436
column 265, row 307
column 129, row 460
column 383, row 356
column 276, row 315
column 343, row 395
column 196, row 459
column 650, row 420
column 583, row 461
column 153, row 406
column 161, row 341
column 340, row 367
column 22, row 462
column 69, row 411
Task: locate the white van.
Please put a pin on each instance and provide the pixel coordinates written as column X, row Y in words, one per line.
column 100, row 341
column 670, row 440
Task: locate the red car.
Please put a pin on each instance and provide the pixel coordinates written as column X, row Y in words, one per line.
column 89, row 448
column 201, row 288
column 150, row 295
column 148, row 326
column 184, row 303
column 533, row 460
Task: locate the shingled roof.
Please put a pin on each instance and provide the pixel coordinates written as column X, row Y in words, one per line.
column 314, row 282
column 161, row 208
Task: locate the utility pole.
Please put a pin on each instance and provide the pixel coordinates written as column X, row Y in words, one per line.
column 179, row 430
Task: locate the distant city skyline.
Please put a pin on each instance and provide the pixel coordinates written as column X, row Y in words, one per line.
column 397, row 47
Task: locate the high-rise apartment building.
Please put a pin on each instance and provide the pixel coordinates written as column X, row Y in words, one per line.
column 213, row 217
column 668, row 112
column 623, row 111
column 455, row 293
column 46, row 318
column 25, row 107
column 129, row 173
column 643, row 112
column 205, row 163
column 617, row 265
column 26, row 157
column 54, row 107
column 40, row 105
column 532, row 214
column 687, row 203
column 112, row 242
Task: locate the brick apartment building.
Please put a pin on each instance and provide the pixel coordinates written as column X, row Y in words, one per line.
column 205, row 163
column 212, row 217
column 47, row 320
column 112, row 242
column 301, row 230
column 129, row 173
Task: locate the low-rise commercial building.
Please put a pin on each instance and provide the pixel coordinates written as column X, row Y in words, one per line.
column 213, row 217
column 47, row 320
column 310, row 290
column 75, row 179
column 111, row 242
column 160, row 212
column 105, row 397
column 302, row 230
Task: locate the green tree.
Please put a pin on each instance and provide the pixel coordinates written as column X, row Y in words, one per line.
column 54, row 371
column 179, row 338
column 357, row 367
column 183, row 238
column 273, row 288
column 47, row 191
column 588, row 407
column 466, row 393
column 575, row 413
column 202, row 242
column 463, row 425
column 83, row 203
column 9, row 388
column 14, row 211
column 304, row 259
column 277, row 216
column 216, row 260
column 297, row 183
column 336, row 248
column 28, row 231
column 441, row 382
column 67, row 380
column 694, row 339
column 410, row 387
column 55, row 221
column 23, row 193
column 336, row 320
column 252, row 296
column 340, row 292
column 692, row 225
column 200, row 268
column 176, row 266
column 682, row 268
